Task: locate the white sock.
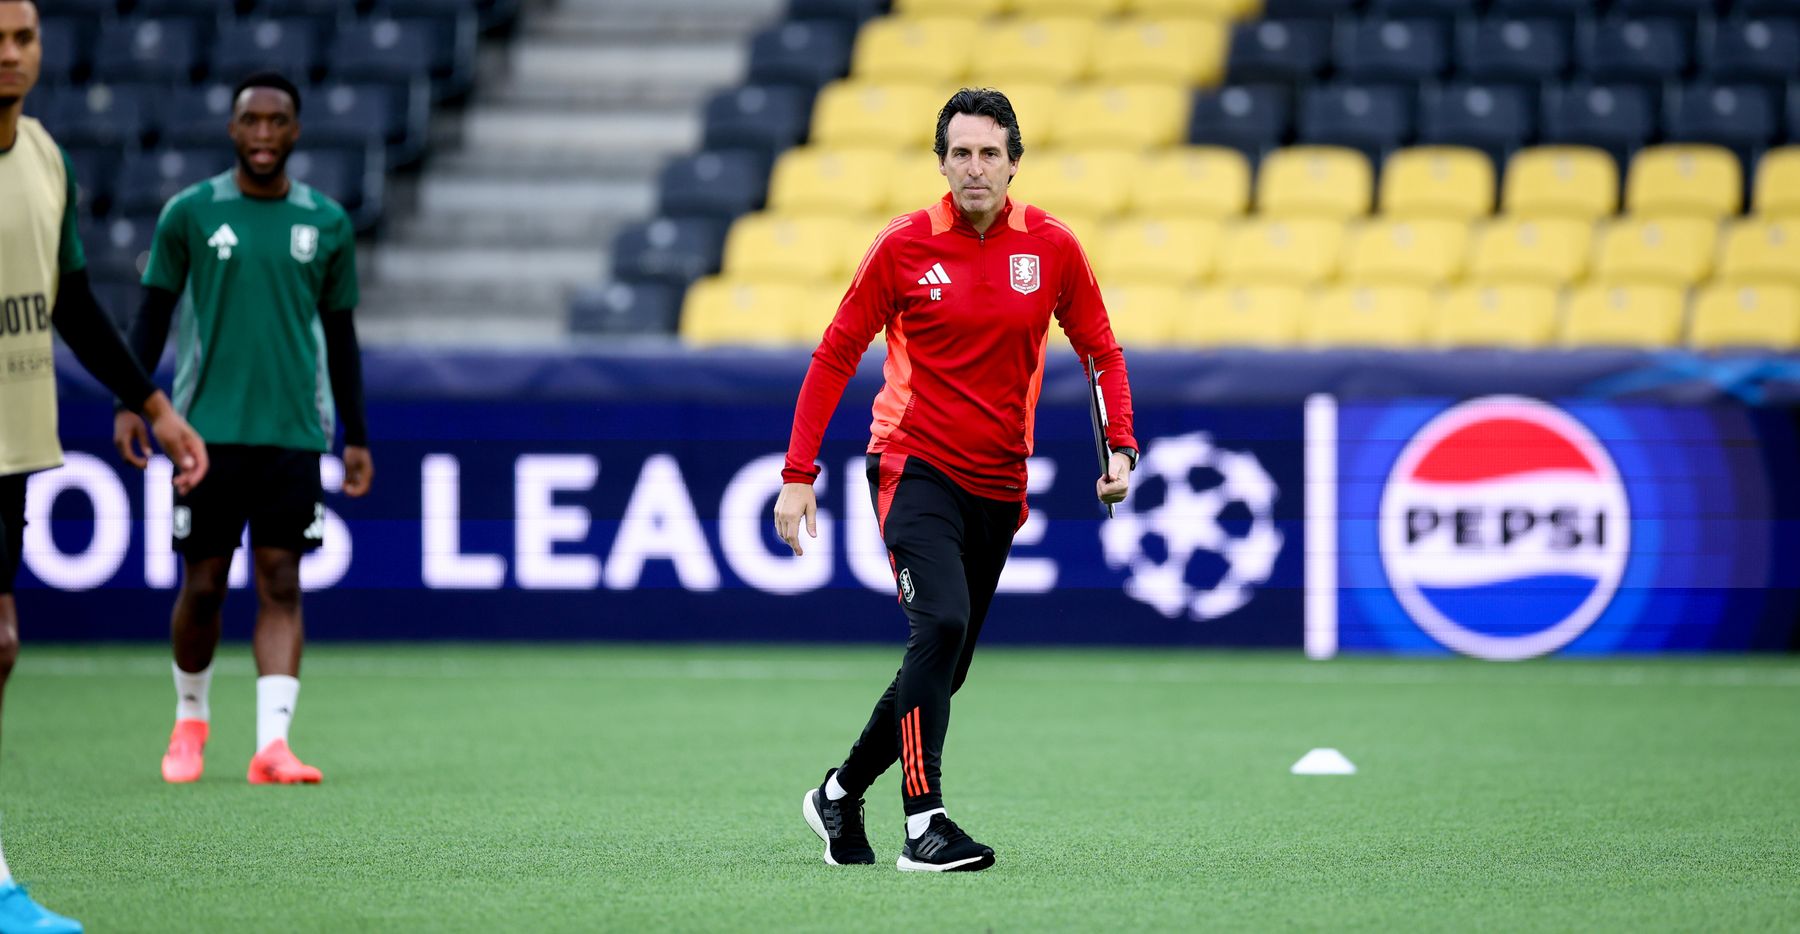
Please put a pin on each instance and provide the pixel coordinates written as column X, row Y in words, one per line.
column 190, row 693
column 833, row 790
column 916, row 823
column 5, row 873
column 276, row 696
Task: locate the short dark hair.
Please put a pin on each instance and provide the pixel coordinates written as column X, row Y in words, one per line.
column 268, row 79
column 980, row 102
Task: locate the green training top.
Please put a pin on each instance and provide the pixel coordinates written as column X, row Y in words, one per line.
column 250, row 349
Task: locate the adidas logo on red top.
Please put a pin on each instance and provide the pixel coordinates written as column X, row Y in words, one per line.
column 935, row 275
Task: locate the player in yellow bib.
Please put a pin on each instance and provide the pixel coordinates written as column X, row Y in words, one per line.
column 265, row 358
column 44, row 287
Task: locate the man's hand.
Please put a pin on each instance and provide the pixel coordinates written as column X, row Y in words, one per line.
column 359, row 471
column 131, row 438
column 178, row 440
column 1112, row 487
column 796, row 502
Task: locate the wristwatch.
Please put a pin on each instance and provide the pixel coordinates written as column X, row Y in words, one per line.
column 1128, row 452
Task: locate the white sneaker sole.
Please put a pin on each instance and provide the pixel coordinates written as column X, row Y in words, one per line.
column 810, row 811
column 907, row 865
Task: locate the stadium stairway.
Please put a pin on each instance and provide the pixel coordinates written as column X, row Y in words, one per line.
column 560, row 147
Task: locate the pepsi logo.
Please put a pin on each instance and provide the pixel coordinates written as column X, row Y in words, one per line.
column 1504, row 528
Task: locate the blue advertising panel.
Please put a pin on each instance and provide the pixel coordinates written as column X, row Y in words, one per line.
column 650, row 519
column 1509, row 527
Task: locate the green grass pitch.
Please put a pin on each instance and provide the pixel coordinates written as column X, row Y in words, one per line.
column 590, row 788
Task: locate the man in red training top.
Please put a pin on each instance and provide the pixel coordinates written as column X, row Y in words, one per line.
column 966, row 289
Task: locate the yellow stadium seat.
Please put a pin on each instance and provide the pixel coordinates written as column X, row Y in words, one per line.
column 1646, row 316
column 767, row 247
column 1143, row 315
column 820, row 180
column 1088, row 182
column 1778, row 182
column 1039, row 108
column 913, row 182
column 1124, row 116
column 1746, row 316
column 1515, row 316
column 1437, row 181
column 1385, row 316
column 1170, row 51
column 859, row 113
column 1258, row 316
column 859, row 234
column 721, row 311
column 1211, row 9
column 1420, row 252
column 1299, row 252
column 1192, row 181
column 1314, row 181
column 1561, row 181
column 965, row 9
column 1051, row 49
column 1169, row 251
column 1546, row 251
column 1684, row 179
column 907, row 49
column 817, row 306
column 1762, row 251
column 1665, row 251
column 1093, row 8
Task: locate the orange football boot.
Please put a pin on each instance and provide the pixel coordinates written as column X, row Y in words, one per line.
column 186, row 757
column 277, row 765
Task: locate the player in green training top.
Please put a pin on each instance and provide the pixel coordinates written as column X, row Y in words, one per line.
column 44, row 288
column 263, row 347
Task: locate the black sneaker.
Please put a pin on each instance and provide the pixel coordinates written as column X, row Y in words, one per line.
column 840, row 824
column 943, row 847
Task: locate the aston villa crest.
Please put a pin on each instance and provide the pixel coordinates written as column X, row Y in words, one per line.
column 303, row 242
column 1024, row 268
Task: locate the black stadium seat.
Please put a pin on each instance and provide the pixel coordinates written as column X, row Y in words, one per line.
column 340, row 114
column 673, row 251
column 768, row 118
column 1278, row 50
column 1378, row 49
column 1740, row 117
column 149, row 179
column 199, row 115
column 1251, row 118
column 1753, row 50
column 853, row 12
column 719, row 184
column 1371, row 118
column 1618, row 118
column 625, row 308
column 381, row 50
column 102, row 115
column 1494, row 118
column 96, row 169
column 116, row 246
column 1435, row 9
column 163, row 50
column 1307, row 9
column 806, row 52
column 64, row 52
column 1505, row 49
column 288, row 46
column 1563, row 12
column 1647, row 50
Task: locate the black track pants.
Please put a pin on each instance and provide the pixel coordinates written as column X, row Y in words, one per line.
column 947, row 547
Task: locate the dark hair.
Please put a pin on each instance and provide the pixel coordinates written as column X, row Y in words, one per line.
column 268, row 79
column 980, row 102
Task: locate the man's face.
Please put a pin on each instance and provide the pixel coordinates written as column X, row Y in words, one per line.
column 20, row 53
column 976, row 164
column 264, row 129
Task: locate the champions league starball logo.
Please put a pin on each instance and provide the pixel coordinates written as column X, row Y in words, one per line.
column 1504, row 528
column 1197, row 531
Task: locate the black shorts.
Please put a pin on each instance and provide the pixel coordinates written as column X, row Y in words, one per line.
column 12, row 528
column 275, row 490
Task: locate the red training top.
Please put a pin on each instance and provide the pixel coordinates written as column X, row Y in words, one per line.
column 968, row 322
